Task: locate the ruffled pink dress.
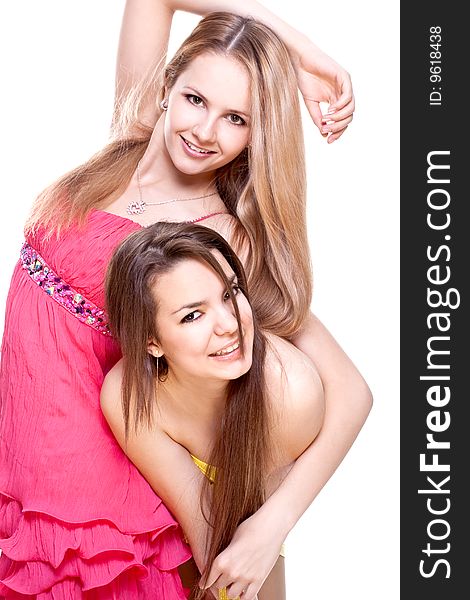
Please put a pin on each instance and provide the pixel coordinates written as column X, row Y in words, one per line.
column 77, row 520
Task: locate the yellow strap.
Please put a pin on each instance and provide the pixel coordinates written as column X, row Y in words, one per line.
column 210, row 472
column 206, row 469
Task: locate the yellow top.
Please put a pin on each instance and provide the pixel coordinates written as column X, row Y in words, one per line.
column 209, row 471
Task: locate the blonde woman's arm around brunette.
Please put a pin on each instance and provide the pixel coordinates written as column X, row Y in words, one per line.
column 348, row 401
column 297, row 406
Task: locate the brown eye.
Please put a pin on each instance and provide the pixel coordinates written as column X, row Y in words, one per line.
column 192, row 316
column 235, row 290
column 236, row 119
column 193, row 99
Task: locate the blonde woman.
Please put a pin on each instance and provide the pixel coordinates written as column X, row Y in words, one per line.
column 75, row 515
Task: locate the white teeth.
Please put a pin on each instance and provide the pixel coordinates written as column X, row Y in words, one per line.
column 196, row 148
column 227, row 350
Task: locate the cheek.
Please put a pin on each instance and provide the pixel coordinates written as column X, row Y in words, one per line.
column 185, row 345
column 235, row 141
column 170, row 120
column 176, row 116
column 246, row 315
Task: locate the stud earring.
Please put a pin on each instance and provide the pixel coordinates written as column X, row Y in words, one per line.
column 164, row 104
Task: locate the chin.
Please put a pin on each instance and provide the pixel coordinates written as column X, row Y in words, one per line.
column 189, row 168
column 241, row 369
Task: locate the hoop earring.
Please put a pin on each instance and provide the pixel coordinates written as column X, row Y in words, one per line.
column 164, row 104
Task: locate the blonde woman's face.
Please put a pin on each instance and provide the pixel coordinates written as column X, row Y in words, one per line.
column 198, row 330
column 207, row 123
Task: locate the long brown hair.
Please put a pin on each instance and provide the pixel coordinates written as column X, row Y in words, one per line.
column 240, row 451
column 264, row 187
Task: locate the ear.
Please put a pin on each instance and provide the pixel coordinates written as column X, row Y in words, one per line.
column 164, row 103
column 153, row 348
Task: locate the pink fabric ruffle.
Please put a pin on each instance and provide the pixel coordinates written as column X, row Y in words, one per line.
column 49, row 559
column 77, row 519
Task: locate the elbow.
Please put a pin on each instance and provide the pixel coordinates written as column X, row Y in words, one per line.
column 313, row 390
column 363, row 399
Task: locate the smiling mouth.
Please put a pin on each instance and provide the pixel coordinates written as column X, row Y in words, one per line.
column 227, row 350
column 196, row 148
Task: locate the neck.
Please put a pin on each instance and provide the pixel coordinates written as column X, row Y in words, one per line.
column 201, row 398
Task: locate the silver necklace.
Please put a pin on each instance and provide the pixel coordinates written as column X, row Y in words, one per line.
column 137, row 207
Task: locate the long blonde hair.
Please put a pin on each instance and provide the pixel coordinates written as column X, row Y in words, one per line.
column 264, row 187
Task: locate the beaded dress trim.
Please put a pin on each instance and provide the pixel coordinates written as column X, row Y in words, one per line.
column 84, row 310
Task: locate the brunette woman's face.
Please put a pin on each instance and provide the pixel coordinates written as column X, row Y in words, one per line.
column 198, row 330
column 207, row 123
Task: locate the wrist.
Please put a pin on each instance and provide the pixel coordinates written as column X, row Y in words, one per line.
column 272, row 516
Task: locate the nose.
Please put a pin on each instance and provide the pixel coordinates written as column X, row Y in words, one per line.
column 225, row 321
column 205, row 129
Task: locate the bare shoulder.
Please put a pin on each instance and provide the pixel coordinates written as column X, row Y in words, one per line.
column 137, row 438
column 287, row 366
column 110, row 400
column 296, row 397
column 110, row 396
column 224, row 224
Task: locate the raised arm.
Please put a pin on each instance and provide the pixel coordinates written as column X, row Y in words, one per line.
column 144, row 40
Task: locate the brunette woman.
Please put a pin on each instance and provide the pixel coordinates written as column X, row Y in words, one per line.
column 199, row 385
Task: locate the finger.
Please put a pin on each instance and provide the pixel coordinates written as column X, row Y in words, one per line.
column 314, row 111
column 346, row 94
column 222, row 582
column 339, row 115
column 336, row 127
column 213, row 577
column 250, row 593
column 334, row 136
column 342, row 102
column 236, row 589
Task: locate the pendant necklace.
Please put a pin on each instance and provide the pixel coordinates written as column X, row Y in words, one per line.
column 137, row 207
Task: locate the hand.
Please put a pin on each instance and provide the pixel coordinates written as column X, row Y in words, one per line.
column 244, row 565
column 321, row 79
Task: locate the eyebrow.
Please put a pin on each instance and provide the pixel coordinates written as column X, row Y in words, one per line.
column 230, row 110
column 231, row 281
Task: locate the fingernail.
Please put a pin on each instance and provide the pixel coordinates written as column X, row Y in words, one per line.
column 326, row 130
column 331, row 111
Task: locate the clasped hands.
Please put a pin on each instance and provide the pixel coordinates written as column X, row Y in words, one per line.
column 244, row 565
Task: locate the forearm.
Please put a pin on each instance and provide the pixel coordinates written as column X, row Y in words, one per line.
column 143, row 41
column 293, row 39
column 347, row 403
column 316, row 465
column 145, row 32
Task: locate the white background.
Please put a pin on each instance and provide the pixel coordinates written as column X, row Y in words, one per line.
column 57, row 61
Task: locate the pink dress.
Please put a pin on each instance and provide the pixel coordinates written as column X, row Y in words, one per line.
column 77, row 520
